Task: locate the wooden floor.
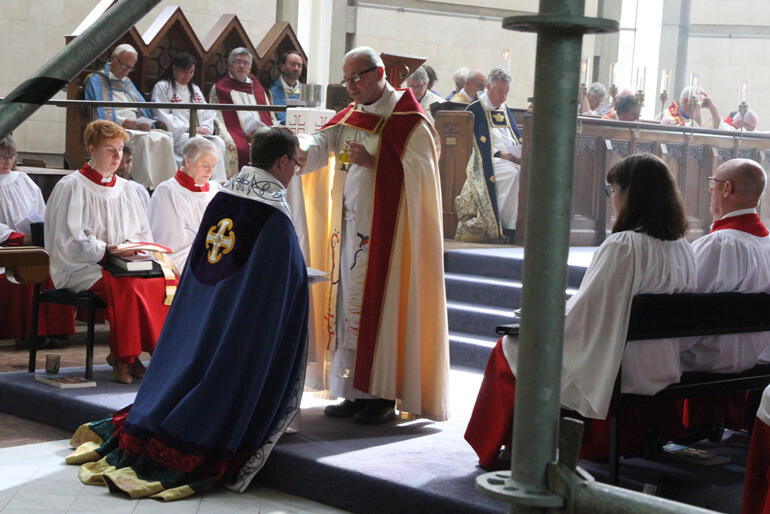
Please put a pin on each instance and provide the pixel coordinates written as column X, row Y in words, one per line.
column 16, row 431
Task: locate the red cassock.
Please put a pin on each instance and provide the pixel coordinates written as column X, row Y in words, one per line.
column 491, row 423
column 16, row 312
column 756, row 492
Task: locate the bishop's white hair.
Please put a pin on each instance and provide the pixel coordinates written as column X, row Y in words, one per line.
column 372, row 58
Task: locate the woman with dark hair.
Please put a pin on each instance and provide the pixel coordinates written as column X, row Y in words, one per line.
column 646, row 253
column 176, row 86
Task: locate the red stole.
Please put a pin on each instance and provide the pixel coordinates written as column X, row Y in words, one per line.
column 749, row 223
column 96, row 177
column 233, row 124
column 388, row 188
column 187, row 182
column 675, row 113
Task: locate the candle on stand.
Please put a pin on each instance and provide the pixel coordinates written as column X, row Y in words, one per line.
column 641, row 76
column 665, row 76
column 613, row 73
column 744, row 92
column 584, row 64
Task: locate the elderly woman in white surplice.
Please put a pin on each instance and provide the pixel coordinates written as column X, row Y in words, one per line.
column 177, row 205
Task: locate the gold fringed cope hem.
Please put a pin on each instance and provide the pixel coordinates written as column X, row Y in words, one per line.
column 84, row 434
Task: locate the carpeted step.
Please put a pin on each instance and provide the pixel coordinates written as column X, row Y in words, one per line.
column 477, row 319
column 475, row 289
column 507, row 263
column 470, row 350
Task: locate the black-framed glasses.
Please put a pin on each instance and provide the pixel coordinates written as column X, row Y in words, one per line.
column 609, row 190
column 125, row 68
column 297, row 165
column 356, row 76
column 713, row 181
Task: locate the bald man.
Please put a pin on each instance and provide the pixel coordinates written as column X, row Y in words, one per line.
column 735, row 121
column 733, row 256
column 475, row 82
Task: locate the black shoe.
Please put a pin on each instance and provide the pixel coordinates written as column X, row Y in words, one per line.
column 510, row 234
column 376, row 412
column 345, row 409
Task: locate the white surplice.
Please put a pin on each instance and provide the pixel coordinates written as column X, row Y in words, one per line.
column 20, row 201
column 428, row 99
column 175, row 216
column 626, row 264
column 729, row 260
column 178, row 121
column 153, row 150
column 506, row 172
column 144, row 196
column 81, row 219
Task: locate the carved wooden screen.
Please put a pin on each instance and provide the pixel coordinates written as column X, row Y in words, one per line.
column 168, row 34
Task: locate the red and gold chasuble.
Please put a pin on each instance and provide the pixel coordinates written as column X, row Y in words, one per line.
column 223, row 88
column 676, row 113
column 403, row 309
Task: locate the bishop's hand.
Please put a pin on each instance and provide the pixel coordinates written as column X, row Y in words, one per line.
column 359, row 156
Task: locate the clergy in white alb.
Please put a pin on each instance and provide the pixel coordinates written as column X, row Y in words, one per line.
column 375, row 225
column 90, row 212
column 475, row 81
column 488, row 205
column 21, row 203
column 178, row 204
column 733, row 257
column 647, row 253
column 287, row 85
column 238, row 86
column 153, row 149
column 176, row 86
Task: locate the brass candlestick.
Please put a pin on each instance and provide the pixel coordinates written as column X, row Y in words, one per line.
column 582, row 91
column 613, row 93
column 743, row 109
column 640, row 97
column 663, row 99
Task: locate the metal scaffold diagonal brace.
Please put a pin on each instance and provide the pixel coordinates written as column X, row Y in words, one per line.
column 69, row 61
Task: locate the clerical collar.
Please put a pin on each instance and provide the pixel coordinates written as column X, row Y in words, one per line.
column 285, row 85
column 96, row 177
column 187, row 182
column 247, row 81
column 375, row 106
column 740, row 212
column 258, row 185
column 484, row 99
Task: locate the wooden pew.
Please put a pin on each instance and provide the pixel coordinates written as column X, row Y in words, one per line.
column 45, row 178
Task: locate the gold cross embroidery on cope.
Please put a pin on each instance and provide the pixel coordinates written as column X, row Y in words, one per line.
column 220, row 237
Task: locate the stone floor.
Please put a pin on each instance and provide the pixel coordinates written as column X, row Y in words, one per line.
column 15, row 431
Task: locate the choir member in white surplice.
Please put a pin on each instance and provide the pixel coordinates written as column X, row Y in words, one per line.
column 176, row 86
column 153, row 149
column 418, row 83
column 90, row 212
column 733, row 256
column 21, row 203
column 177, row 205
column 124, row 171
column 646, row 253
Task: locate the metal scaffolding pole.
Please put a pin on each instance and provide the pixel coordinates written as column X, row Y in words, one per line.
column 537, row 481
column 69, row 61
